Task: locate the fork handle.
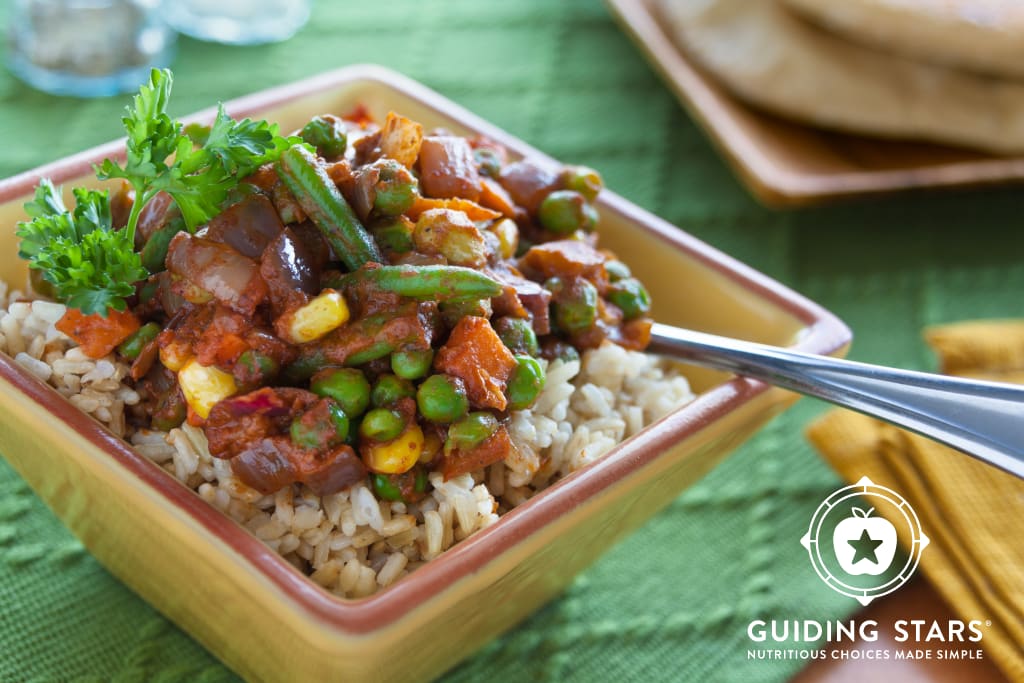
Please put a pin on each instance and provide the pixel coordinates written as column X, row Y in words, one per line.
column 983, row 419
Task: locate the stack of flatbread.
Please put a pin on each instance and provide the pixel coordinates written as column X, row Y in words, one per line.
column 949, row 71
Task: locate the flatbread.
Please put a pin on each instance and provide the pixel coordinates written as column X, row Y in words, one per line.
column 771, row 58
column 981, row 35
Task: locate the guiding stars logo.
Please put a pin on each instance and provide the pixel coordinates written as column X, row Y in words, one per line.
column 853, row 548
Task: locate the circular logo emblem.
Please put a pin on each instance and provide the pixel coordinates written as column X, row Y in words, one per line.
column 852, row 542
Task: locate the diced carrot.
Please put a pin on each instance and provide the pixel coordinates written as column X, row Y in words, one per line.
column 475, row 354
column 95, row 335
column 470, row 208
column 497, row 446
column 567, row 258
column 494, row 196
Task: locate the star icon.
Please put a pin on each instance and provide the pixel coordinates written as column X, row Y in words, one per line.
column 865, row 547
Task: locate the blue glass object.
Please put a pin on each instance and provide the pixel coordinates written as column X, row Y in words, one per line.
column 87, row 48
column 237, row 22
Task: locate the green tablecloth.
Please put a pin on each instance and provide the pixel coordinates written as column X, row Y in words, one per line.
column 672, row 602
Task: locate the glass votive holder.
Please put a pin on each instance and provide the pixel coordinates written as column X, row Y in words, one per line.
column 87, row 48
column 237, row 22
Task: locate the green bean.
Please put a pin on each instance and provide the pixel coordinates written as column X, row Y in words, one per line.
column 154, row 252
column 584, row 180
column 518, row 335
column 563, row 212
column 396, row 190
column 412, row 364
column 420, row 484
column 395, row 235
column 326, row 134
column 347, row 386
column 617, row 270
column 389, row 389
column 426, row 283
column 470, row 432
column 149, row 289
column 133, row 345
column 381, row 424
column 525, row 384
column 405, row 328
column 385, row 488
column 305, row 176
column 574, row 304
column 631, row 296
column 441, row 398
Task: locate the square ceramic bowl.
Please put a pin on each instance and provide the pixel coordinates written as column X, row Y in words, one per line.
column 220, row 583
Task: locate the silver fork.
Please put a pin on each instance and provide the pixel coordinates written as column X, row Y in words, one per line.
column 982, row 419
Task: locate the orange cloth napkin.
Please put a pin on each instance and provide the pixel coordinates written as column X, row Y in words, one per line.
column 973, row 513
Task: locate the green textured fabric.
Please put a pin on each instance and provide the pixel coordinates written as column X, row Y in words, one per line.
column 672, row 602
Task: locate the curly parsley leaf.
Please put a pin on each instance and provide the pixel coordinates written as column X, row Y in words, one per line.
column 198, row 178
column 92, row 267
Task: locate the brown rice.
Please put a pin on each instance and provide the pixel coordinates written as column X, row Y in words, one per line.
column 349, row 542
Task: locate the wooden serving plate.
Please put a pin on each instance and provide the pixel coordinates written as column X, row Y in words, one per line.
column 788, row 164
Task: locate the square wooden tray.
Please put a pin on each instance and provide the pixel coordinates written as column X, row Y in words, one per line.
column 787, row 164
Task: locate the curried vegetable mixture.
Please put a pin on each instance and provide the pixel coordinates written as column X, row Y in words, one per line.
column 359, row 301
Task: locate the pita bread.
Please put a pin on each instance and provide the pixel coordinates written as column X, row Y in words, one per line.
column 980, row 35
column 773, row 59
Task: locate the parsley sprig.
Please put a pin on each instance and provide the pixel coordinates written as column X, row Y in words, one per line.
column 94, row 267
column 197, row 178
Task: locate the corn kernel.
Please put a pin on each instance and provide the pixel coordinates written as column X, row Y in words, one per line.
column 398, row 455
column 508, row 236
column 174, row 356
column 204, row 385
column 324, row 313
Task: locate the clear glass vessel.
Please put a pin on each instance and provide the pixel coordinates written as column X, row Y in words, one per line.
column 237, row 22
column 87, row 48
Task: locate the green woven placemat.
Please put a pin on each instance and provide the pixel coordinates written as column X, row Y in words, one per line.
column 672, row 602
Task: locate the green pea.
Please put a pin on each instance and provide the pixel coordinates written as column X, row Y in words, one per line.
column 584, row 180
column 442, row 399
column 395, row 235
column 470, row 432
column 631, row 296
column 396, row 190
column 412, row 364
column 304, row 435
column 518, row 335
column 385, row 488
column 617, row 270
column 389, row 389
column 381, row 424
column 341, row 423
column 327, row 134
column 574, row 304
column 347, row 386
column 454, row 311
column 133, row 345
column 563, row 212
column 255, row 368
column 488, row 161
column 525, row 384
